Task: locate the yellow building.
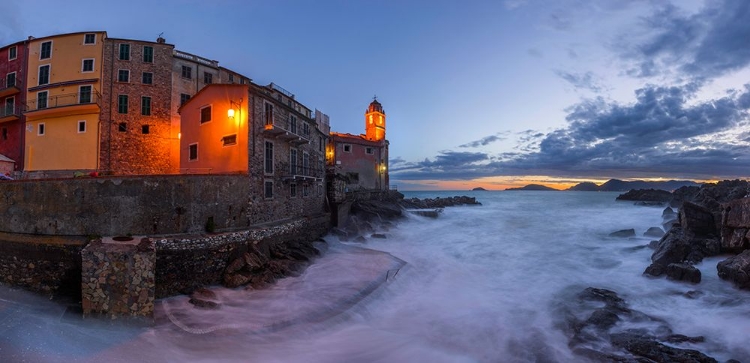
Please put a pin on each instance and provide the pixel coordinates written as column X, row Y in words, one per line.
column 63, row 101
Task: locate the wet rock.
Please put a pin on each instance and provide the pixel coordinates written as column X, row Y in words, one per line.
column 378, row 235
column 603, row 318
column 623, row 233
column 643, row 345
column 736, row 269
column 683, row 272
column 668, row 213
column 672, row 248
column 204, row 298
column 647, row 195
column 697, row 219
column 653, row 244
column 679, row 338
column 654, row 232
column 360, row 239
column 428, row 203
column 735, row 240
column 693, row 294
column 681, row 194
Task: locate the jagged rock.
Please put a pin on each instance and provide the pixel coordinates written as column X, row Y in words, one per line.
column 668, row 213
column 204, row 298
column 654, row 232
column 643, row 345
column 646, row 195
column 653, row 244
column 736, row 214
column 624, row 233
column 235, row 280
column 735, row 239
column 428, row 203
column 736, row 269
column 683, row 272
column 376, row 209
column 681, row 194
column 697, row 219
column 672, row 248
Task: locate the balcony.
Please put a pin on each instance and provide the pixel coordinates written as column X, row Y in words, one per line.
column 9, row 89
column 302, row 173
column 71, row 103
column 9, row 113
column 281, row 131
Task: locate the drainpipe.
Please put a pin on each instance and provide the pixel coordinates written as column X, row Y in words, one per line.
column 111, row 114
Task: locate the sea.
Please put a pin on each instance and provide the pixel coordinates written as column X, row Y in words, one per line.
column 477, row 284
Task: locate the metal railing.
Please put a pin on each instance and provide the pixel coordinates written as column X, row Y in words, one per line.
column 15, row 82
column 300, row 170
column 10, row 111
column 70, row 99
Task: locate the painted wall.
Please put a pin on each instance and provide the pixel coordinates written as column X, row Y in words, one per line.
column 213, row 155
column 62, row 147
column 11, row 128
column 371, row 169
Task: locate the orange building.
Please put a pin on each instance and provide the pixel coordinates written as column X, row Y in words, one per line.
column 63, row 101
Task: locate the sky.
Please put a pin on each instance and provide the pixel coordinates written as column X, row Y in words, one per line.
column 478, row 93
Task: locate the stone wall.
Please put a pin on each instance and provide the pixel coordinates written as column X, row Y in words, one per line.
column 111, row 206
column 133, row 143
column 117, row 278
column 48, row 265
column 185, row 263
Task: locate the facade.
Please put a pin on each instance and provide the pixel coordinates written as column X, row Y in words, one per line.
column 63, row 102
column 137, row 134
column 268, row 135
column 12, row 100
column 361, row 161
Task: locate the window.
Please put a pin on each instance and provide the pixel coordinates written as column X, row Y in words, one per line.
column 10, row 106
column 269, row 114
column 368, row 150
column 148, row 54
column 88, row 65
column 81, row 126
column 41, row 100
column 268, row 189
column 46, row 50
column 292, row 190
column 10, row 79
column 5, row 133
column 268, row 161
column 229, row 140
column 84, row 94
column 231, row 78
column 124, row 51
column 145, row 129
column 122, row 127
column 123, row 76
column 347, row 148
column 306, row 163
column 306, row 128
column 320, row 143
column 293, row 161
column 187, row 72
column 40, row 129
column 205, row 114
column 184, row 98
column 305, row 190
column 193, row 152
column 148, row 78
column 44, row 74
column 89, row 39
column 122, row 104
column 12, row 53
column 293, row 124
column 208, row 78
column 145, row 106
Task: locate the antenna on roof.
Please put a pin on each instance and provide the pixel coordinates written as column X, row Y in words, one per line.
column 161, row 39
column 375, row 97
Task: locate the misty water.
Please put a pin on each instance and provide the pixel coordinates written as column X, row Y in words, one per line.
column 478, row 284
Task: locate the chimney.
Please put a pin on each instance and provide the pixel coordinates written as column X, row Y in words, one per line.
column 161, row 40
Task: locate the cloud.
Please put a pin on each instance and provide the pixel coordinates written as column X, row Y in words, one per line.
column 534, row 52
column 484, row 141
column 586, row 80
column 699, row 46
column 664, row 133
column 514, row 4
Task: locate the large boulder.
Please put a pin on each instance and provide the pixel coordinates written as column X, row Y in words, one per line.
column 736, row 269
column 683, row 272
column 735, row 225
column 647, row 346
column 681, row 194
column 623, row 233
column 654, row 232
column 674, row 247
column 697, row 219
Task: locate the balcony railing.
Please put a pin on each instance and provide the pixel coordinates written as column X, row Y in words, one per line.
column 70, row 99
column 300, row 172
column 282, row 129
column 9, row 111
column 9, row 88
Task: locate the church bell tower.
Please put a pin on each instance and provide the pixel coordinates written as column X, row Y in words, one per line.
column 375, row 121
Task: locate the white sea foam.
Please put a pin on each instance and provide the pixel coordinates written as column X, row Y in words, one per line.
column 481, row 284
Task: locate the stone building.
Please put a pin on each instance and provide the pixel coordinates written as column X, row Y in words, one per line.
column 264, row 133
column 137, row 133
column 361, row 161
column 12, row 100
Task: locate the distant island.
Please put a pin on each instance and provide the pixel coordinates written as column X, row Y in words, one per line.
column 616, row 185
column 479, row 188
column 534, row 187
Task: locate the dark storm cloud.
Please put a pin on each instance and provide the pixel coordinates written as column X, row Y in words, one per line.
column 700, row 46
column 485, row 140
column 586, row 80
column 662, row 133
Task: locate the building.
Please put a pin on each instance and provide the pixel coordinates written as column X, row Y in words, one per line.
column 361, row 161
column 137, row 134
column 12, row 100
column 63, row 102
column 263, row 132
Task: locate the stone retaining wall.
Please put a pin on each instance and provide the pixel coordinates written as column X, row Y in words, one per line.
column 49, row 267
